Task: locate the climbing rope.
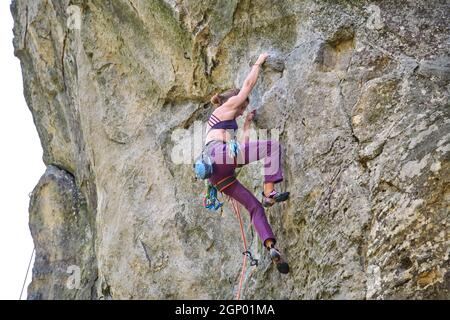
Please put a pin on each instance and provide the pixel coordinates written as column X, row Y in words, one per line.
column 246, row 253
column 253, row 262
column 211, row 202
column 26, row 275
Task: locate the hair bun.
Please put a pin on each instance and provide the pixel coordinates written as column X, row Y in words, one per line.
column 216, row 99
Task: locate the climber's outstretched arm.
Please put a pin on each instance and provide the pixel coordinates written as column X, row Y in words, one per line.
column 249, row 82
column 236, row 101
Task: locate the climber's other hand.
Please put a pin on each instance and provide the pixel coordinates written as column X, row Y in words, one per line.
column 249, row 117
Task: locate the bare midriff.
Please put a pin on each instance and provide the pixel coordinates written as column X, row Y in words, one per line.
column 218, row 134
column 221, row 134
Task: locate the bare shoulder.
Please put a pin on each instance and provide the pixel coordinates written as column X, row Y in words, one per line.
column 225, row 112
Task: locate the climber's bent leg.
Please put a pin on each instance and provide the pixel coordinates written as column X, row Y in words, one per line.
column 257, row 215
column 270, row 150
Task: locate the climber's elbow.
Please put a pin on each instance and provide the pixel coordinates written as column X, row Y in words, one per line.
column 237, row 100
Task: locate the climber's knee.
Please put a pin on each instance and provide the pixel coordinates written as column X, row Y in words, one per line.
column 259, row 210
column 255, row 209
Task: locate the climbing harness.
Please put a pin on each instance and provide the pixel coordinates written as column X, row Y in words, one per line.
column 210, row 200
column 225, row 182
column 204, row 163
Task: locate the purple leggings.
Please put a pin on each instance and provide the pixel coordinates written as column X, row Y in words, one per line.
column 252, row 151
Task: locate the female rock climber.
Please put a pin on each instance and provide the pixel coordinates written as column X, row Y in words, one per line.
column 222, row 127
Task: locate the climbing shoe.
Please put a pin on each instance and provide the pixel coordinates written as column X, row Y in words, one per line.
column 274, row 196
column 276, row 257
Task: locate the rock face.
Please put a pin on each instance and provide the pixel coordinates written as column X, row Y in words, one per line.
column 358, row 91
column 64, row 239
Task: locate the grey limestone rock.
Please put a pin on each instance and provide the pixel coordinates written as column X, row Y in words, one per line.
column 359, row 92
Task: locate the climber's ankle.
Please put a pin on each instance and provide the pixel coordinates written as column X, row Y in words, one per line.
column 268, row 188
column 269, row 243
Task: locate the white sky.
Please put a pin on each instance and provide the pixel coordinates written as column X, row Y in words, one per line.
column 21, row 166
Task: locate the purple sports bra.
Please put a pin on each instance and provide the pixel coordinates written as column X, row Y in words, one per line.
column 216, row 123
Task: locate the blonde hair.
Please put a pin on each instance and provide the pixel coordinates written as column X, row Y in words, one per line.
column 220, row 98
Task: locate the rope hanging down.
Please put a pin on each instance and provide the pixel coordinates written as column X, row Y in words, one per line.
column 211, row 202
column 26, row 275
column 253, row 262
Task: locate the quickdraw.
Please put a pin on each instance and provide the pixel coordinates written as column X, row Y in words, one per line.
column 210, row 200
column 253, row 261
